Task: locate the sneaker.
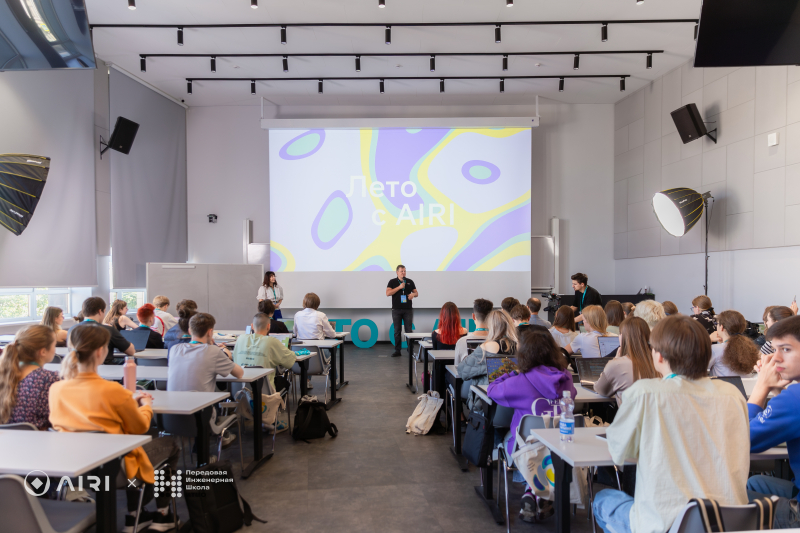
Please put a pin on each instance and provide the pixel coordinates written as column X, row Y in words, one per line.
column 545, row 509
column 281, row 426
column 527, row 511
column 164, row 522
column 396, row 354
column 227, row 441
column 145, row 520
column 309, row 386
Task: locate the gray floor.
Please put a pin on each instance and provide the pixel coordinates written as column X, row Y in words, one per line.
column 373, row 477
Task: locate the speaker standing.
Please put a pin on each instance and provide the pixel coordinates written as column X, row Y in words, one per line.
column 402, row 290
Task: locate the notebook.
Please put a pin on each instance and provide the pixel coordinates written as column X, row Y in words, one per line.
column 607, row 345
column 497, row 366
column 736, row 381
column 138, row 337
column 589, row 370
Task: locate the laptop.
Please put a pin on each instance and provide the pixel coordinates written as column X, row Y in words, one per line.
column 497, row 366
column 589, row 370
column 138, row 337
column 736, row 381
column 607, row 345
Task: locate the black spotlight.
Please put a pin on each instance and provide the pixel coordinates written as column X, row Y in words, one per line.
column 319, row 87
column 286, row 63
column 252, row 86
column 358, row 63
column 505, row 62
column 381, row 85
column 180, row 36
column 189, row 86
column 132, row 5
column 441, row 85
column 649, row 60
column 381, row 3
column 622, row 84
column 576, row 63
column 509, row 3
column 283, row 34
column 497, row 33
column 143, row 63
column 604, row 32
column 678, row 210
column 433, row 63
column 213, row 63
column 388, row 35
column 502, row 85
column 254, row 4
column 561, row 85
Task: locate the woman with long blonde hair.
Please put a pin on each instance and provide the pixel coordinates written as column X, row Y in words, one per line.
column 596, row 324
column 634, row 360
column 53, row 317
column 117, row 316
column 24, row 383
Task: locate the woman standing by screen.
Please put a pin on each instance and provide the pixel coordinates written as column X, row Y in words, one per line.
column 270, row 290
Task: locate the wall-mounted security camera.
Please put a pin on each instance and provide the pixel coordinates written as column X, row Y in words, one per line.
column 212, row 219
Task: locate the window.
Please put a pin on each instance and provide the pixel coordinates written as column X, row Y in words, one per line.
column 135, row 298
column 19, row 305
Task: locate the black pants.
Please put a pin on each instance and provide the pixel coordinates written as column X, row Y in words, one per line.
column 406, row 317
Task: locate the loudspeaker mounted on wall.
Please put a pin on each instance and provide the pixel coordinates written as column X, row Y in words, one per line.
column 690, row 124
column 121, row 138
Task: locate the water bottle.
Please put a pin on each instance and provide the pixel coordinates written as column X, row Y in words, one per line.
column 567, row 425
column 129, row 374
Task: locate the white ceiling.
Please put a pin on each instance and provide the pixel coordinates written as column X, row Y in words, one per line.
column 122, row 47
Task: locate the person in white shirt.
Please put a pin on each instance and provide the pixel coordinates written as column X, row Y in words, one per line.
column 270, row 290
column 312, row 324
column 586, row 344
column 164, row 321
column 690, row 435
column 563, row 330
column 480, row 310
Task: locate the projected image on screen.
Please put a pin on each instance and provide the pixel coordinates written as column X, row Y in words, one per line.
column 432, row 199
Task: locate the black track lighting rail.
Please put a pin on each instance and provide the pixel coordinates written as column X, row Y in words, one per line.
column 417, row 54
column 367, row 78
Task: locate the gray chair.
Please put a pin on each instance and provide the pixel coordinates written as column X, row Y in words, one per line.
column 735, row 518
column 186, row 426
column 20, row 426
column 419, row 359
column 474, row 343
column 23, row 513
column 317, row 366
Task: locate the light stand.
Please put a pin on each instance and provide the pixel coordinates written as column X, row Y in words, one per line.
column 706, row 197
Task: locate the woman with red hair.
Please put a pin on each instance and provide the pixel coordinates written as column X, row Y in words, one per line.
column 450, row 330
column 147, row 319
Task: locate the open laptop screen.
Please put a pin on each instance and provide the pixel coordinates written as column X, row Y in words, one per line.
column 607, row 345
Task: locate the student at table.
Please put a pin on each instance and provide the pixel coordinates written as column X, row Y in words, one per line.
column 311, row 324
column 24, row 383
column 650, row 311
column 179, row 333
column 632, row 363
column 449, row 331
column 670, row 308
column 563, row 330
column 615, row 315
column 118, row 316
column 275, row 326
column 147, row 318
column 92, row 312
column 83, row 401
column 259, row 349
column 542, row 374
column 735, row 354
column 780, row 422
column 508, row 304
column 480, row 310
column 164, row 320
column 520, row 316
column 703, row 312
column 689, row 434
column 53, row 318
column 773, row 314
column 534, row 306
column 628, row 307
column 586, row 344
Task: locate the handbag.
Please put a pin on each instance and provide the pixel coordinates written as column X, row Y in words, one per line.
column 426, row 412
column 477, row 445
column 533, row 461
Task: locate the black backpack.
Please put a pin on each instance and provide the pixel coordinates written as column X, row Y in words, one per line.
column 477, row 446
column 311, row 421
column 218, row 508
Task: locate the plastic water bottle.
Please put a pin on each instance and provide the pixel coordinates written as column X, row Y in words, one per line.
column 567, row 424
column 129, row 374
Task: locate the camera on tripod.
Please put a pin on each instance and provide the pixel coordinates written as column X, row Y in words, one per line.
column 553, row 301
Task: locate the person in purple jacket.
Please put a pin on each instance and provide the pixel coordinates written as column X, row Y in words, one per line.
column 542, row 374
column 778, row 421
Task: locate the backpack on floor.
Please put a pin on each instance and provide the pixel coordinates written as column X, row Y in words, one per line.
column 426, row 412
column 311, row 420
column 220, row 508
column 477, row 446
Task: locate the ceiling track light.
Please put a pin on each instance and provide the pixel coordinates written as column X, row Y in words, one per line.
column 433, row 63
column 381, row 85
column 649, row 60
column 283, row 34
column 441, row 85
column 604, row 32
column 381, row 4
column 639, row 2
column 252, row 86
column 502, row 85
column 213, row 63
column 388, row 35
column 132, row 5
column 180, row 36
column 189, row 86
column 509, row 3
column 143, row 63
column 561, row 85
column 254, row 4
column 358, row 63
column 505, row 62
column 622, row 85
column 576, row 63
column 286, row 63
column 319, row 86
column 696, row 30
column 497, row 34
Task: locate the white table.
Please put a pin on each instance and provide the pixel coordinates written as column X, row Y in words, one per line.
column 184, row 402
column 410, row 338
column 583, row 395
column 332, row 345
column 150, row 353
column 59, row 454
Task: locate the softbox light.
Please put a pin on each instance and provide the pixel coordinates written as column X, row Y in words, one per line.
column 22, row 179
column 678, row 210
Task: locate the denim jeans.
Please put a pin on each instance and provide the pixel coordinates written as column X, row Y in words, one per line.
column 612, row 510
column 787, row 512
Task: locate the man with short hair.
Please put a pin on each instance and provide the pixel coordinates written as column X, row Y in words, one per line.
column 480, row 310
column 402, row 290
column 521, row 316
column 584, row 295
column 534, row 305
column 259, row 349
column 688, row 433
column 93, row 310
column 778, row 423
column 508, row 304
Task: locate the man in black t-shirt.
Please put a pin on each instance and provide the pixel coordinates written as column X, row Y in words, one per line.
column 584, row 295
column 402, row 290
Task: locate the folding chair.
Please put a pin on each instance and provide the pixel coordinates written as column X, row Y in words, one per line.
column 23, row 512
column 748, row 517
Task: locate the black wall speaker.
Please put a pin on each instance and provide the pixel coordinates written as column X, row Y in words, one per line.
column 689, row 123
column 123, row 135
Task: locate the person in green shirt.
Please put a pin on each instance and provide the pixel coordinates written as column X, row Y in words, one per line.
column 259, row 349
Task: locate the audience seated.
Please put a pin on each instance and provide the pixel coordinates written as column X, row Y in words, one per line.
column 659, row 424
column 480, row 310
column 670, row 308
column 563, row 330
column 259, row 349
column 83, row 401
column 92, row 312
column 735, row 355
column 628, row 307
column 535, row 305
column 268, row 308
column 53, row 318
column 179, row 333
column 520, row 316
column 502, row 340
column 449, row 331
column 311, row 323
column 164, row 320
column 118, row 316
column 147, row 319
column 703, row 312
column 586, row 344
column 615, row 315
column 632, row 363
column 773, row 314
column 24, row 383
column 542, row 374
column 508, row 304
column 650, row 311
column 780, row 421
